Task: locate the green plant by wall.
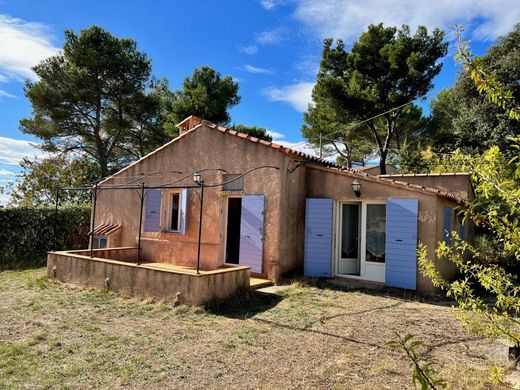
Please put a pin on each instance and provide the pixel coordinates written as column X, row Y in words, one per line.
column 27, row 233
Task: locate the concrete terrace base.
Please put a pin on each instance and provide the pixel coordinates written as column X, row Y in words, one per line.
column 117, row 270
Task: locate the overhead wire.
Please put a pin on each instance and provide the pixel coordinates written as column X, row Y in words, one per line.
column 375, row 116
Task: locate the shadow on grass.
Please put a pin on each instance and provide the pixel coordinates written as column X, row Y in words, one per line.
column 377, row 291
column 243, row 304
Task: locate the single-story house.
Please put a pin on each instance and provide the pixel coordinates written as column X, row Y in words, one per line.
column 277, row 210
column 275, row 221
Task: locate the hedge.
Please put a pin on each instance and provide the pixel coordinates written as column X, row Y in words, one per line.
column 26, row 234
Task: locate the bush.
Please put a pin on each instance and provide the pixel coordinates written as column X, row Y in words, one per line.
column 27, row 233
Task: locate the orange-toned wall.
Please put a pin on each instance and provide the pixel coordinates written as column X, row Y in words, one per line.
column 200, row 148
column 326, row 184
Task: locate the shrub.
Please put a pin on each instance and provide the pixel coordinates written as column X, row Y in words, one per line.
column 27, row 233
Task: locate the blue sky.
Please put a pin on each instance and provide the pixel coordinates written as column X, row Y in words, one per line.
column 271, row 47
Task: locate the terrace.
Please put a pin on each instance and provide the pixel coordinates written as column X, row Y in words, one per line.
column 117, row 269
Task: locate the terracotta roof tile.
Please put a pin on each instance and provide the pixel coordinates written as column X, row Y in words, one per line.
column 328, row 165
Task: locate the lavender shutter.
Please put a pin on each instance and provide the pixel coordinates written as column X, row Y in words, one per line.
column 318, row 237
column 401, row 243
column 184, row 208
column 152, row 211
column 252, row 232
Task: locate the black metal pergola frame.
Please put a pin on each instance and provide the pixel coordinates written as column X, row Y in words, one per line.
column 141, row 188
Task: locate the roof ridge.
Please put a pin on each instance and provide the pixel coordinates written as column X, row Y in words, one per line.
column 274, row 145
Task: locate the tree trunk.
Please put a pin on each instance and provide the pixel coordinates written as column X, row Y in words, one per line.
column 382, row 161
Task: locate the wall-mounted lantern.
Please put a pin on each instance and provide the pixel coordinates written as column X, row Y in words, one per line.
column 356, row 187
column 196, row 177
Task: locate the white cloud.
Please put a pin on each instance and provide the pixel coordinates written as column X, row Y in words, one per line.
column 4, row 199
column 251, row 49
column 6, row 173
column 269, row 37
column 12, row 151
column 301, row 147
column 297, row 95
column 347, row 19
column 4, row 93
column 276, row 135
column 271, row 4
column 256, row 70
column 22, row 45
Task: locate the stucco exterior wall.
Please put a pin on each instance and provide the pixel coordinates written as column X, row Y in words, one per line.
column 143, row 282
column 199, row 148
column 326, row 184
column 285, row 192
column 292, row 216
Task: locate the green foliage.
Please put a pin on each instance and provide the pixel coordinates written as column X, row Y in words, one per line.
column 28, row 233
column 253, row 131
column 39, row 181
column 374, row 83
column 151, row 126
column 487, row 293
column 349, row 141
column 412, row 159
column 479, row 110
column 205, row 94
column 88, row 97
column 486, row 82
column 424, row 372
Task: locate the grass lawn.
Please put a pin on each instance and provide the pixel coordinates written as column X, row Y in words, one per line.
column 56, row 336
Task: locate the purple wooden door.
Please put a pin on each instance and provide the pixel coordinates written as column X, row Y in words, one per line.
column 252, row 232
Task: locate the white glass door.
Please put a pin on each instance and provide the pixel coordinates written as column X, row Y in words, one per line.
column 349, row 261
column 374, row 241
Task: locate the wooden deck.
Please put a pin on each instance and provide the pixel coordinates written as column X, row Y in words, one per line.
column 183, row 269
column 259, row 283
column 254, row 282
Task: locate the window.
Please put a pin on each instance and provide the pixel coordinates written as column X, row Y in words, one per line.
column 350, row 231
column 376, row 233
column 173, row 210
column 99, row 242
column 174, row 219
column 235, row 185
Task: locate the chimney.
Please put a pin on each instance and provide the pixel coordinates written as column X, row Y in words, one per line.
column 188, row 124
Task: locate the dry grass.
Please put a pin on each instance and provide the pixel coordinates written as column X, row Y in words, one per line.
column 54, row 336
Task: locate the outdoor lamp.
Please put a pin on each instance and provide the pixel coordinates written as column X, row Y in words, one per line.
column 196, row 177
column 356, row 187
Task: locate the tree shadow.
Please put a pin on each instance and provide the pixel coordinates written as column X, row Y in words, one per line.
column 399, row 294
column 243, row 304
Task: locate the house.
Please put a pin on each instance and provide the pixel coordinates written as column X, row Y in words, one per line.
column 271, row 210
